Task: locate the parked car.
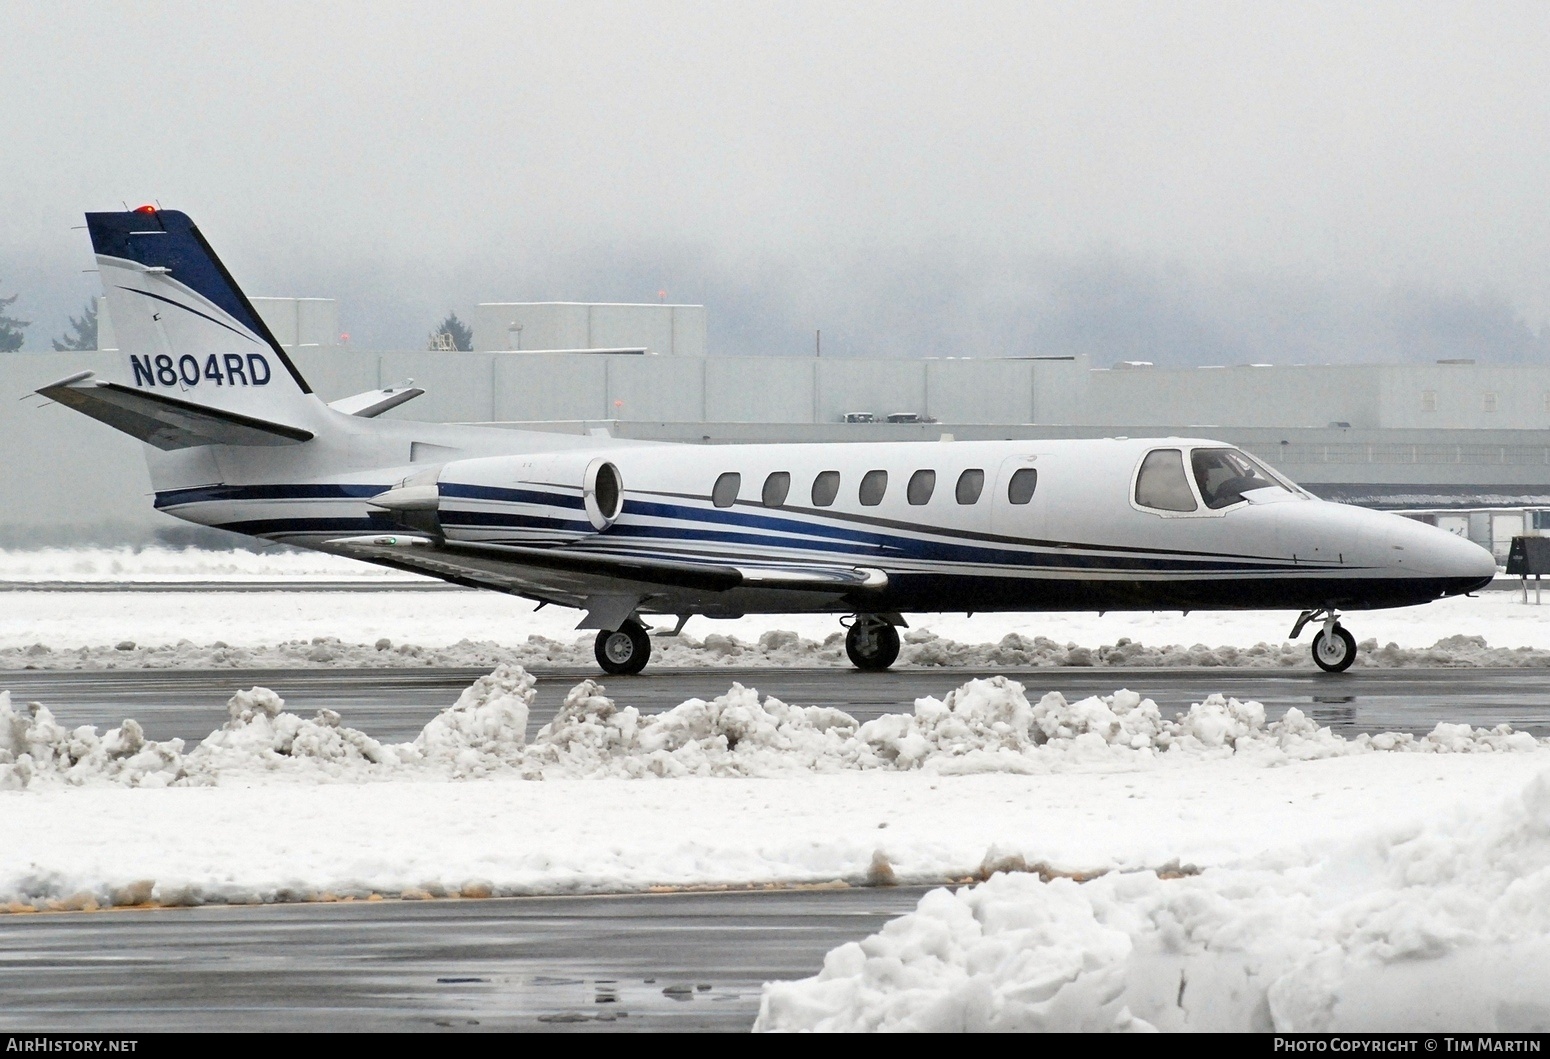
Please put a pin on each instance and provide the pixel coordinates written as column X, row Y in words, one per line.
column 910, row 417
column 860, row 417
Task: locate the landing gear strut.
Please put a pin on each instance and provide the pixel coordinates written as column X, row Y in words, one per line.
column 625, row 650
column 1334, row 649
column 872, row 643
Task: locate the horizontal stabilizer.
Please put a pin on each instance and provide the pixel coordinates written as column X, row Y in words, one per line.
column 374, row 402
column 166, row 422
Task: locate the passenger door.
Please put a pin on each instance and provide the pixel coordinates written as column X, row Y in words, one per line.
column 1028, row 519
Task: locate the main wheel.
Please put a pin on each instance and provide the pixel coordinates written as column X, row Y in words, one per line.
column 1334, row 654
column 873, row 646
column 625, row 650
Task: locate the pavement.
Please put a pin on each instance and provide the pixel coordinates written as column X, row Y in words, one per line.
column 634, row 962
column 392, row 705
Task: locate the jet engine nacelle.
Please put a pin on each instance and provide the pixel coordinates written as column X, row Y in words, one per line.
column 554, row 498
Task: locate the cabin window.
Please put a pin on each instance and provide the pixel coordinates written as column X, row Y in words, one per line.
column 725, row 493
column 1488, row 402
column 825, row 488
column 1020, row 489
column 776, row 486
column 1428, row 400
column 1224, row 475
column 873, row 485
column 922, row 485
column 971, row 484
column 1161, row 483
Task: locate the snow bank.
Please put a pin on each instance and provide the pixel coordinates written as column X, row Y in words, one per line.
column 776, row 648
column 159, row 564
column 987, row 725
column 608, row 799
column 1442, row 927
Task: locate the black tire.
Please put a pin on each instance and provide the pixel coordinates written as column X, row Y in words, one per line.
column 623, row 651
column 872, row 647
column 1334, row 654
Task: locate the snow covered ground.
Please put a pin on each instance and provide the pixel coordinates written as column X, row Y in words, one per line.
column 1238, row 874
column 211, row 628
column 1209, row 870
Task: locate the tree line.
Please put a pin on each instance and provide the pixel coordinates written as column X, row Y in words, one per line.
column 81, row 335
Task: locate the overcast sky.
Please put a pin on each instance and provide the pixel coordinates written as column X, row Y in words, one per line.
column 1185, row 183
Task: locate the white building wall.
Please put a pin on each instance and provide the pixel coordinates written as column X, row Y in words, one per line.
column 759, row 389
column 655, row 389
column 881, row 387
column 1465, row 396
column 991, row 391
column 668, row 330
column 1289, row 397
column 300, row 322
column 536, row 387
column 459, row 386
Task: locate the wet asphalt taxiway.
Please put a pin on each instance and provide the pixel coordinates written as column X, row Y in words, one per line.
column 392, row 705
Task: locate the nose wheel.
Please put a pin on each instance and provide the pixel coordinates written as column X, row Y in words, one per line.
column 871, row 643
column 1334, row 649
column 625, row 650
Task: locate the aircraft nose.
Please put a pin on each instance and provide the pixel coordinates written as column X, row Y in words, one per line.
column 1452, row 556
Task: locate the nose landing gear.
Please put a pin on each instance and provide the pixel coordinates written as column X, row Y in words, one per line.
column 872, row 643
column 1334, row 649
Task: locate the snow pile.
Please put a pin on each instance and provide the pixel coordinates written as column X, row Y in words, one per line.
column 924, row 648
column 735, row 734
column 485, row 729
column 984, row 726
column 33, row 745
column 774, row 648
column 260, row 737
column 1443, row 927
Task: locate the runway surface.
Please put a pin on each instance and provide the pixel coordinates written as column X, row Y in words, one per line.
column 392, row 705
column 642, row 962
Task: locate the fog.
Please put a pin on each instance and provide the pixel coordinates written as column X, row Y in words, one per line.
column 1187, row 184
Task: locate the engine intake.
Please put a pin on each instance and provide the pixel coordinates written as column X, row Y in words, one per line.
column 602, row 493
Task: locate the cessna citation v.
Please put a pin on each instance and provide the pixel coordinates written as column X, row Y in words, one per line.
column 235, row 438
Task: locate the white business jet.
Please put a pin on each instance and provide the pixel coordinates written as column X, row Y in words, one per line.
column 236, row 439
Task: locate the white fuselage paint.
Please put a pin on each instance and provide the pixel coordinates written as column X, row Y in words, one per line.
column 1081, row 537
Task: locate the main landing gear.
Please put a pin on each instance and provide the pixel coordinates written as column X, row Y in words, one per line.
column 624, row 651
column 1334, row 649
column 872, row 643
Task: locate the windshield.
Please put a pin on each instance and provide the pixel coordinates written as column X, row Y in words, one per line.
column 1224, row 475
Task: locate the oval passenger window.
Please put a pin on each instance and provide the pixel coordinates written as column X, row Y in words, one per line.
column 825, row 488
column 922, row 485
column 776, row 486
column 873, row 486
column 1020, row 489
column 970, row 484
column 725, row 493
column 1161, row 484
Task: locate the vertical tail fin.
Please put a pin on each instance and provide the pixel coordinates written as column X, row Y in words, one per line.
column 187, row 330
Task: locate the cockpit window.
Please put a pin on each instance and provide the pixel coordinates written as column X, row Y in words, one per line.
column 1161, row 484
column 1224, row 475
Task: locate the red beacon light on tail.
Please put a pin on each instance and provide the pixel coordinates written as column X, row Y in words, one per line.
column 145, row 209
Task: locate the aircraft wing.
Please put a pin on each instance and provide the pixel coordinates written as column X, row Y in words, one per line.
column 166, row 422
column 574, row 573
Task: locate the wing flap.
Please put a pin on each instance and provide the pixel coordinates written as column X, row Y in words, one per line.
column 651, row 571
column 166, row 422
